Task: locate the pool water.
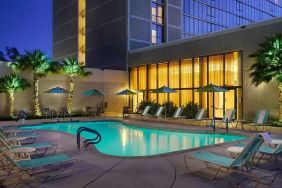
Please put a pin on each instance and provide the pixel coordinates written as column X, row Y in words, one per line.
column 119, row 139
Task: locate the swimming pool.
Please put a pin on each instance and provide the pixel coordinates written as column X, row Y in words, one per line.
column 119, row 139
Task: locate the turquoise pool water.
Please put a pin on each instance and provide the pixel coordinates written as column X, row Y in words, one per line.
column 119, row 139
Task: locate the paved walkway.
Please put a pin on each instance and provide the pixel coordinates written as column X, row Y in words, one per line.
column 94, row 169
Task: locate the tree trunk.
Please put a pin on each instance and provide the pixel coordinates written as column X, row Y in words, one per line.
column 36, row 104
column 280, row 101
column 12, row 103
column 70, row 96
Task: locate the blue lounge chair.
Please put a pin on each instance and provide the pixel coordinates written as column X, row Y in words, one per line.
column 31, row 137
column 37, row 166
column 40, row 148
column 242, row 164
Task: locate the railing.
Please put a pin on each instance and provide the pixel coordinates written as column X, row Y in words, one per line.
column 87, row 142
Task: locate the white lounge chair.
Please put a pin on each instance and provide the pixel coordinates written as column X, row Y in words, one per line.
column 178, row 112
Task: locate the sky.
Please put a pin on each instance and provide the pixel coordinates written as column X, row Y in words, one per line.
column 26, row 25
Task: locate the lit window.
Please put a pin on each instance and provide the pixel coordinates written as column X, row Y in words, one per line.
column 157, row 21
column 157, row 34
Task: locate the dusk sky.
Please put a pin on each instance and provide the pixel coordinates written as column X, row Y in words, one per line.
column 26, row 25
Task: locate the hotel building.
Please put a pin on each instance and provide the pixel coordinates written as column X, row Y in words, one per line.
column 183, row 44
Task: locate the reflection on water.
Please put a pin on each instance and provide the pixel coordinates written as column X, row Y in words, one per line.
column 121, row 140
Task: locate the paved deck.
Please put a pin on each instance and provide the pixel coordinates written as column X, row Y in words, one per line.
column 94, row 169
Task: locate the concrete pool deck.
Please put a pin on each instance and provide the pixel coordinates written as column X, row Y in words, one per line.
column 94, row 169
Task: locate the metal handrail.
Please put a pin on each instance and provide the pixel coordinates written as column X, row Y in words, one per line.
column 87, row 142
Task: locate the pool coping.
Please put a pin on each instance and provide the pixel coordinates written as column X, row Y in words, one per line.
column 139, row 124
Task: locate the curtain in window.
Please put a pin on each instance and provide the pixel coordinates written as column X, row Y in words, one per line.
column 174, row 74
column 196, row 72
column 162, row 75
column 142, row 77
column 232, row 73
column 216, row 70
column 186, row 73
column 133, row 78
column 152, row 76
column 174, row 97
column 186, row 96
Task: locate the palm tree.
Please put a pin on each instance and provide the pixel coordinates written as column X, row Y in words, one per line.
column 73, row 70
column 13, row 59
column 11, row 84
column 40, row 65
column 268, row 65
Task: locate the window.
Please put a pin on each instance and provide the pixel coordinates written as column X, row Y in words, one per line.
column 157, row 34
column 157, row 21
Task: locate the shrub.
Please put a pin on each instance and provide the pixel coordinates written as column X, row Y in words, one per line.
column 154, row 108
column 143, row 104
column 170, row 108
column 190, row 110
column 276, row 123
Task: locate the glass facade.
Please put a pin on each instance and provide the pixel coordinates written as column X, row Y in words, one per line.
column 157, row 21
column 205, row 16
column 186, row 76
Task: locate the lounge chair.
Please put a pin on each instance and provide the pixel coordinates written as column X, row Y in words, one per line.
column 37, row 166
column 242, row 164
column 159, row 112
column 40, row 148
column 146, row 111
column 200, row 116
column 264, row 150
column 20, row 138
column 13, row 131
column 261, row 119
column 228, row 117
column 177, row 113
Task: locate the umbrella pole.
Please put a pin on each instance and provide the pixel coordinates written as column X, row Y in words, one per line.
column 213, row 120
column 57, row 105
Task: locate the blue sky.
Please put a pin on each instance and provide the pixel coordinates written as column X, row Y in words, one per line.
column 26, row 25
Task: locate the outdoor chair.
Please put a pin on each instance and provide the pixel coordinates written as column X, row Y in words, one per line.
column 177, row 113
column 261, row 120
column 145, row 112
column 159, row 112
column 31, row 137
column 86, row 111
column 65, row 113
column 46, row 113
column 228, row 117
column 21, row 116
column 126, row 111
column 243, row 164
column 28, row 150
column 200, row 116
column 99, row 111
column 264, row 150
column 55, row 163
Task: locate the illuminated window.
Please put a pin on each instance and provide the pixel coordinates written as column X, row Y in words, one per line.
column 186, row 76
column 81, row 32
column 142, row 77
column 157, row 21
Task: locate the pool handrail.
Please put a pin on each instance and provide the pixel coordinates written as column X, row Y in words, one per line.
column 87, row 142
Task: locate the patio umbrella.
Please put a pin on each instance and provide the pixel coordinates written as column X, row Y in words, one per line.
column 57, row 91
column 164, row 90
column 126, row 92
column 93, row 92
column 211, row 88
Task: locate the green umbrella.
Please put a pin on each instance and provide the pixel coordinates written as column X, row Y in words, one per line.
column 93, row 92
column 57, row 91
column 211, row 88
column 164, row 90
column 126, row 92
